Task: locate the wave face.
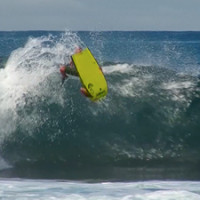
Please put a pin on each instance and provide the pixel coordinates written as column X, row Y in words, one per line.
column 150, row 116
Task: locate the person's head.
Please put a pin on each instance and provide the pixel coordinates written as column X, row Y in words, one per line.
column 78, row 49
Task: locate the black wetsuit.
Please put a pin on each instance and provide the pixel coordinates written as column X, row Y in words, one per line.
column 71, row 70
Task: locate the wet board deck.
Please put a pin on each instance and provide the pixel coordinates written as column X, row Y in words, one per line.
column 90, row 74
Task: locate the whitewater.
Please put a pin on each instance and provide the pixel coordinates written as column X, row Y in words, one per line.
column 149, row 190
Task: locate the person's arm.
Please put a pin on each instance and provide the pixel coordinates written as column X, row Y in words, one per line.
column 63, row 73
column 63, row 79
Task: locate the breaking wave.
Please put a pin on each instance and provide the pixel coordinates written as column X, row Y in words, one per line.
column 150, row 115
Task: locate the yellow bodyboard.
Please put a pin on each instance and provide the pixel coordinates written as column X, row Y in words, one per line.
column 90, row 74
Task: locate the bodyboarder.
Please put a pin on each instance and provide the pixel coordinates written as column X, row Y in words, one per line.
column 71, row 70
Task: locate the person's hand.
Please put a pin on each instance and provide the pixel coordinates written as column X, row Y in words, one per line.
column 63, row 78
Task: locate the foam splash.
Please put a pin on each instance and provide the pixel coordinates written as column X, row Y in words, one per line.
column 28, row 72
column 120, row 68
column 146, row 190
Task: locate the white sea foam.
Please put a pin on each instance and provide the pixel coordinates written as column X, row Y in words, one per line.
column 122, row 68
column 178, row 85
column 177, row 88
column 4, row 164
column 27, row 73
column 147, row 190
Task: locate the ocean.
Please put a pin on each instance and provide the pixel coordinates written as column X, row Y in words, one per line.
column 140, row 142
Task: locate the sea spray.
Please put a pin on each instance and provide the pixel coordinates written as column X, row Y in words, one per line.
column 32, row 73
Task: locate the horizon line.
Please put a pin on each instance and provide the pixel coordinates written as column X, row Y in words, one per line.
column 49, row 30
